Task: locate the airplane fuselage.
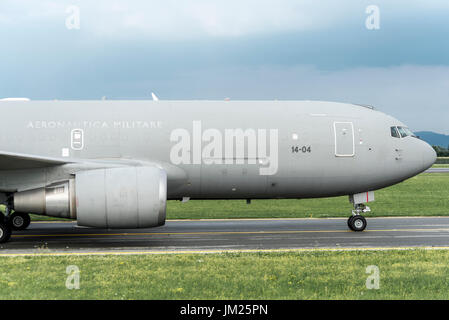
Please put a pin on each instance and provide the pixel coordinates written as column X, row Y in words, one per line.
column 217, row 149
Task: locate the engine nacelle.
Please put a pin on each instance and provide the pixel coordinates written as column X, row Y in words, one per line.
column 128, row 197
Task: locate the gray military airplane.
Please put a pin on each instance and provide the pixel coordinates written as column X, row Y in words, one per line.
column 114, row 164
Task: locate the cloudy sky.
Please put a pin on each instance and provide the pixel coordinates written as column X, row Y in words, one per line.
column 242, row 49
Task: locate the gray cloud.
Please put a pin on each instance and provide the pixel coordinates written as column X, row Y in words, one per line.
column 416, row 95
column 199, row 18
column 198, row 49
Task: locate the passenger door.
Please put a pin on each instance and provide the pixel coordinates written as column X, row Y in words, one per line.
column 344, row 139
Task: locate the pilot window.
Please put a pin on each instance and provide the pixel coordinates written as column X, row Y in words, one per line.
column 401, row 132
column 406, row 132
column 394, row 132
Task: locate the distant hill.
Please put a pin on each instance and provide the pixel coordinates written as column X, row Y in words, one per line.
column 434, row 139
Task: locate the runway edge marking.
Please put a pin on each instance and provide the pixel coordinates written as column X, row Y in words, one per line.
column 216, row 233
column 180, row 252
column 267, row 219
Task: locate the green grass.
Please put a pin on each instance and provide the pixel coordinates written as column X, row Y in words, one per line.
column 424, row 195
column 35, row 217
column 413, row 274
column 440, row 166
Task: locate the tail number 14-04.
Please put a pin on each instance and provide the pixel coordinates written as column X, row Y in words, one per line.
column 301, row 149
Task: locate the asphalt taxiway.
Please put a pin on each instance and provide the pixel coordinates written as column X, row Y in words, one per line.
column 230, row 235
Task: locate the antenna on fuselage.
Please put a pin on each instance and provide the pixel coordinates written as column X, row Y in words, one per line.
column 155, row 98
column 365, row 106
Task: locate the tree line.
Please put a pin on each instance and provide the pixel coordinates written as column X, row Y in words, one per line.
column 441, row 152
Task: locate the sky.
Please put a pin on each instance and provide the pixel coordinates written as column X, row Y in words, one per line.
column 395, row 58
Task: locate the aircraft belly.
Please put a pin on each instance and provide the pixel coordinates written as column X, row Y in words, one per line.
column 233, row 181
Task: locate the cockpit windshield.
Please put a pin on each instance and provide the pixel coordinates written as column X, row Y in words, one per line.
column 401, row 132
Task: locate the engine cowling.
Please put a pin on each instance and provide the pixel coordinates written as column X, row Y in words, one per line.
column 127, row 197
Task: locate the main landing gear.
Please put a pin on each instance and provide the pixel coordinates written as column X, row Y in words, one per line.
column 357, row 222
column 19, row 220
column 5, row 229
column 13, row 221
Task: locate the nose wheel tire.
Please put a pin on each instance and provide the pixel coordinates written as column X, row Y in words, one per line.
column 5, row 231
column 357, row 223
column 349, row 221
column 19, row 220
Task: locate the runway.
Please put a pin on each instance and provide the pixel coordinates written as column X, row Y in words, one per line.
column 437, row 170
column 234, row 235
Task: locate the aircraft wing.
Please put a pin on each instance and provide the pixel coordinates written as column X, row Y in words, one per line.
column 13, row 161
column 10, row 161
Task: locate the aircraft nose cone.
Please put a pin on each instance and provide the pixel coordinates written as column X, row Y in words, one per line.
column 429, row 156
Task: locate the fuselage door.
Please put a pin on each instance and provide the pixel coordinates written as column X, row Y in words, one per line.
column 344, row 139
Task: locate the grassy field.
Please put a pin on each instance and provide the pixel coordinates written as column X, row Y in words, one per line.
column 411, row 274
column 408, row 274
column 423, row 195
column 426, row 194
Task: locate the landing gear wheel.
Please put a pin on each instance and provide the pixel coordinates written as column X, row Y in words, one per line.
column 5, row 232
column 357, row 223
column 349, row 221
column 19, row 220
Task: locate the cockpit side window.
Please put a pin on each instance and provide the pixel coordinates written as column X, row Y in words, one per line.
column 394, row 132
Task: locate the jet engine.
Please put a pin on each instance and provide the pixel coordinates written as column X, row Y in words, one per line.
column 125, row 197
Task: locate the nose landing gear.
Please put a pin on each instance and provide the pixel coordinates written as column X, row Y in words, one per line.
column 357, row 222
